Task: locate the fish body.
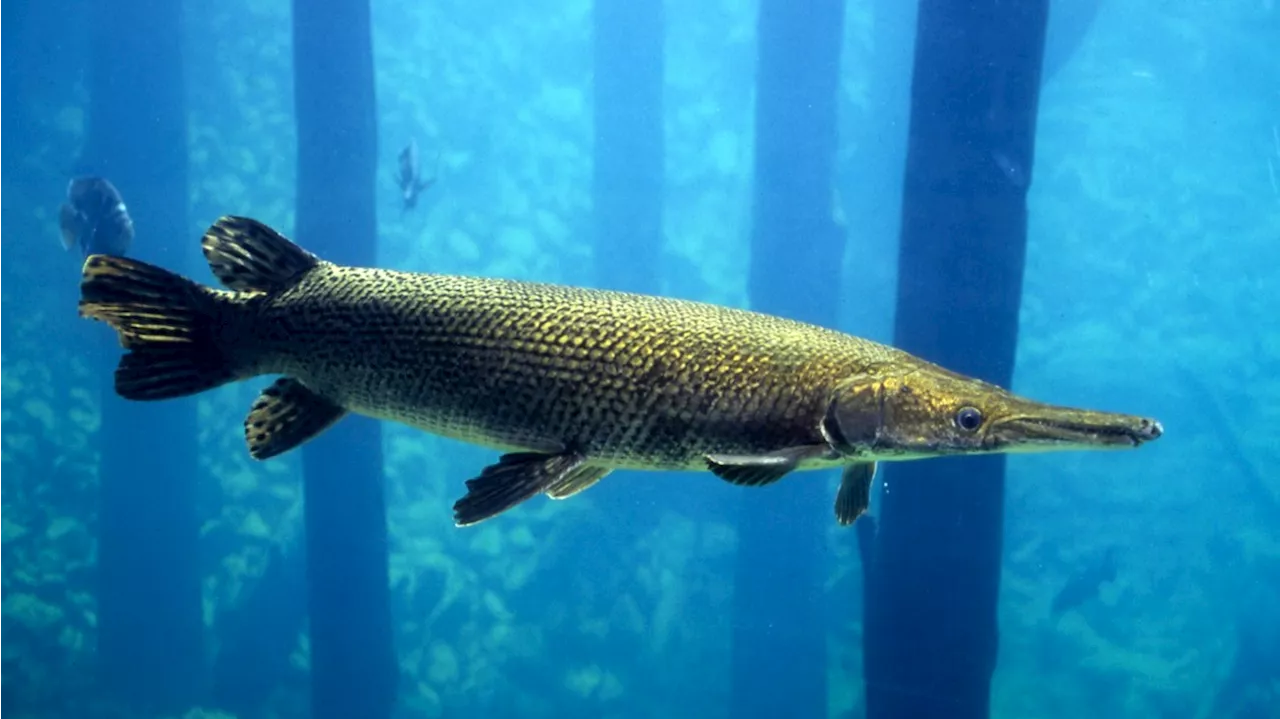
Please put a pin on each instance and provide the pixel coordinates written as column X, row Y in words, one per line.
column 95, row 218
column 409, row 175
column 571, row 383
column 632, row 381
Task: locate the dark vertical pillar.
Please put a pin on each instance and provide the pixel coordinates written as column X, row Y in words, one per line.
column 150, row 625
column 779, row 643
column 930, row 633
column 353, row 663
column 628, row 155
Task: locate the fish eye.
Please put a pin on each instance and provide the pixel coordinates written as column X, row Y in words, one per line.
column 969, row 418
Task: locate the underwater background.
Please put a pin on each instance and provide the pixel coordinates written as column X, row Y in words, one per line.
column 1132, row 584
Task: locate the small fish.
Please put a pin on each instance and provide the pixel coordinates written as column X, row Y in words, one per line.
column 95, row 218
column 409, row 175
column 571, row 383
column 1084, row 586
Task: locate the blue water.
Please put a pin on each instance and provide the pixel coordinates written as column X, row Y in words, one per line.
column 1152, row 263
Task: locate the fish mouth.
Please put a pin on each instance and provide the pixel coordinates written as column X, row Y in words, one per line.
column 1063, row 428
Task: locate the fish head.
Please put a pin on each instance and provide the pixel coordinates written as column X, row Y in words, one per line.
column 928, row 411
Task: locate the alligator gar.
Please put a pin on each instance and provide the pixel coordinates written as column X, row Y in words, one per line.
column 570, row 383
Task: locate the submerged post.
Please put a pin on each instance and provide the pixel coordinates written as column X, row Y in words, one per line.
column 150, row 626
column 353, row 662
column 930, row 633
column 779, row 645
column 628, row 155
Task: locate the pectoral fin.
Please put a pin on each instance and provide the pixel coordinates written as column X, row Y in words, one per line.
column 513, row 479
column 284, row 416
column 854, row 495
column 762, row 469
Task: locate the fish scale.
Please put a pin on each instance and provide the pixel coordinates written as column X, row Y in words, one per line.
column 570, row 382
column 632, row 380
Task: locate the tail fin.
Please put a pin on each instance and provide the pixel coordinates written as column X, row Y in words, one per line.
column 249, row 256
column 166, row 321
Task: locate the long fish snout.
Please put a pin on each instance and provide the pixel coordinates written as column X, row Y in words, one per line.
column 1056, row 428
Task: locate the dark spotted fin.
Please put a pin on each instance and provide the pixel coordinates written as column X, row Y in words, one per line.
column 166, row 322
column 249, row 256
column 576, row 481
column 284, row 416
column 762, row 469
column 854, row 495
column 513, row 479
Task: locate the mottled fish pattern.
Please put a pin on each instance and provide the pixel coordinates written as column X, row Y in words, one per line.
column 570, row 382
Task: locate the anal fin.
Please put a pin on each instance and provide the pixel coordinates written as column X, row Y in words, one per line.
column 515, row 477
column 758, row 470
column 576, row 481
column 854, row 495
column 284, row 416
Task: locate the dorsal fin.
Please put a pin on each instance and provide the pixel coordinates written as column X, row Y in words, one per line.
column 247, row 255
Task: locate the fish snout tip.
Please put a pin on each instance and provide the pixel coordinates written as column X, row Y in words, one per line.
column 1147, row 430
